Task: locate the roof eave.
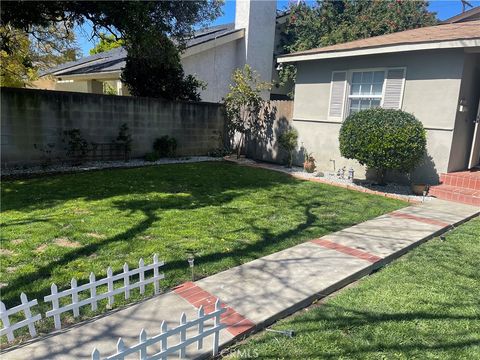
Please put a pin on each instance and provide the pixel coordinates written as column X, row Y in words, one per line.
column 211, row 43
column 101, row 75
column 451, row 44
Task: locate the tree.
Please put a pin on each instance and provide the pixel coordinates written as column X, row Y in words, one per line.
column 161, row 22
column 107, row 42
column 153, row 69
column 331, row 22
column 288, row 142
column 31, row 53
column 383, row 139
column 244, row 103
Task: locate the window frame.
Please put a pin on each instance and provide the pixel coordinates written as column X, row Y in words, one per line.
column 348, row 96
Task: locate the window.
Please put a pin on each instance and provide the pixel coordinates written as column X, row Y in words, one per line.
column 366, row 90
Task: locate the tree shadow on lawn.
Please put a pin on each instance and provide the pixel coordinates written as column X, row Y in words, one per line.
column 331, row 319
column 192, row 187
column 243, row 252
column 200, row 180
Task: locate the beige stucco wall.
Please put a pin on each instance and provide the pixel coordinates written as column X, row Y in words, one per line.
column 213, row 66
column 431, row 91
column 84, row 86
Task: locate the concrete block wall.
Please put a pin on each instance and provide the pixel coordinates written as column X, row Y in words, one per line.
column 39, row 117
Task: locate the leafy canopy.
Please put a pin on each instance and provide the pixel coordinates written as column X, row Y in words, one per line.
column 288, row 141
column 331, row 22
column 383, row 139
column 107, row 42
column 149, row 29
column 244, row 103
column 30, row 53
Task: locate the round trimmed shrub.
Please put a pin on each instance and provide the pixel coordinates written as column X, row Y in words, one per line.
column 383, row 139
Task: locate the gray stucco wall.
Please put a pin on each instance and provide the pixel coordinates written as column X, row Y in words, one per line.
column 431, row 93
column 39, row 117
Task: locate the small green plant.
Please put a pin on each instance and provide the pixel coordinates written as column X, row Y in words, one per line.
column 288, row 141
column 76, row 145
column 243, row 105
column 165, row 146
column 220, row 152
column 152, row 157
column 46, row 151
column 124, row 137
column 109, row 89
column 383, row 139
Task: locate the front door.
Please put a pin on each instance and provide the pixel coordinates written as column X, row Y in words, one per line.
column 475, row 153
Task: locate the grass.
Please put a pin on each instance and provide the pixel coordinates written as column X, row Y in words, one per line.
column 423, row 306
column 58, row 227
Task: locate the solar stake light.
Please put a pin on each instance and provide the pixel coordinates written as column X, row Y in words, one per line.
column 191, row 263
column 351, row 174
column 289, row 333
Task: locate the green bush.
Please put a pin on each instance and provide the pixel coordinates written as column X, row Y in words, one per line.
column 152, row 157
column 165, row 146
column 383, row 139
column 288, row 141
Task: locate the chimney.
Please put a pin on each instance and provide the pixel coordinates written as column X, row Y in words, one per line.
column 258, row 18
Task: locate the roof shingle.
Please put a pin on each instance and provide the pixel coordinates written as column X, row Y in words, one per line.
column 447, row 32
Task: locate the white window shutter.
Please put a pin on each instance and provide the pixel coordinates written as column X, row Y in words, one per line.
column 337, row 95
column 394, row 84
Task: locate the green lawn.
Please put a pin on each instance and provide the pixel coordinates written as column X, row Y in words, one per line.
column 425, row 305
column 59, row 227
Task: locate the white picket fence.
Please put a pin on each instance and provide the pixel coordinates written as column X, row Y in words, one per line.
column 144, row 343
column 93, row 284
column 74, row 304
column 9, row 328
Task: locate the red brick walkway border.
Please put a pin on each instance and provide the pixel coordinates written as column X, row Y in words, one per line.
column 236, row 323
column 347, row 250
column 418, row 218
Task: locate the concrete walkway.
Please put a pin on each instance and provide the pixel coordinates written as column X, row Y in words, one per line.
column 260, row 292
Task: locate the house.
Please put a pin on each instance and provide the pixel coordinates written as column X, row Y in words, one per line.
column 211, row 55
column 431, row 72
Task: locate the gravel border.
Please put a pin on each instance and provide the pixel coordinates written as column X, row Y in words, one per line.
column 399, row 191
column 35, row 171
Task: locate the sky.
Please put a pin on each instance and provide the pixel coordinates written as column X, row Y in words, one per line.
column 443, row 8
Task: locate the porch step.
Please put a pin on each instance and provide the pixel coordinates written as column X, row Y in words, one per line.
column 462, row 179
column 458, row 194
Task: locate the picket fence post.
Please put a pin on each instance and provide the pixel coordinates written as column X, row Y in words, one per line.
column 216, row 334
column 201, row 323
column 28, row 314
column 6, row 321
column 110, row 286
column 93, row 291
column 126, row 281
column 55, row 306
column 141, row 265
column 155, row 274
column 143, row 349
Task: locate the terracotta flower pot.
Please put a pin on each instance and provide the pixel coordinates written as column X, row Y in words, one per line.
column 418, row 189
column 309, row 166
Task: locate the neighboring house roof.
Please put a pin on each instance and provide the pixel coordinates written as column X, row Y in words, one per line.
column 114, row 60
column 464, row 34
column 469, row 15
